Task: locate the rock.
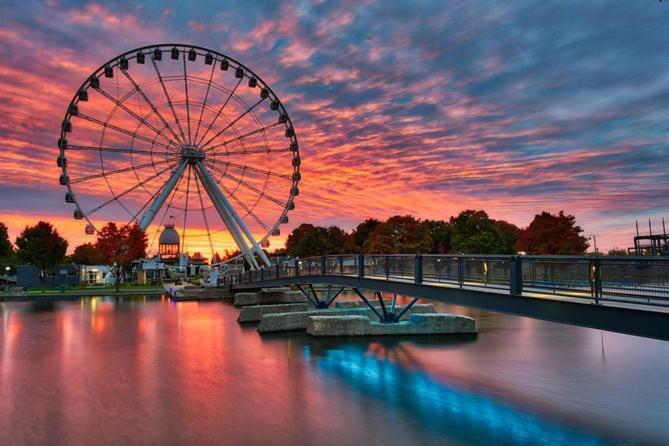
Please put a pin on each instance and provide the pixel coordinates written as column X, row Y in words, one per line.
column 268, row 298
column 253, row 313
column 418, row 324
column 275, row 322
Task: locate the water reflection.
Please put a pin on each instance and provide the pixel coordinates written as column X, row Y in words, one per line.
column 464, row 416
column 143, row 371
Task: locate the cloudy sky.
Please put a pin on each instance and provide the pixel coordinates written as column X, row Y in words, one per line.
column 419, row 107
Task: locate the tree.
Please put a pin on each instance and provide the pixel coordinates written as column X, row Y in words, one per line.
column 473, row 232
column 308, row 240
column 216, row 258
column 401, row 234
column 42, row 247
column 440, row 236
column 552, row 234
column 87, row 254
column 617, row 252
column 6, row 248
column 362, row 232
column 121, row 246
column 509, row 234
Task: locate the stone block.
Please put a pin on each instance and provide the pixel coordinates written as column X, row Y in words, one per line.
column 253, row 313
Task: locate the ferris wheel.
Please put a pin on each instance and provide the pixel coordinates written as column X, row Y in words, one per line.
column 185, row 133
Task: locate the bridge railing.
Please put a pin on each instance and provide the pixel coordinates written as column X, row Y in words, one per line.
column 622, row 279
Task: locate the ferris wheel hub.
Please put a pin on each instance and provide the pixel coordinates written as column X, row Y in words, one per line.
column 191, row 153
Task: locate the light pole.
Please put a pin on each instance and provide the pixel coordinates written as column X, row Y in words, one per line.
column 594, row 241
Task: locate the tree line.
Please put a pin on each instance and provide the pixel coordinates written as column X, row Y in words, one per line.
column 45, row 249
column 470, row 232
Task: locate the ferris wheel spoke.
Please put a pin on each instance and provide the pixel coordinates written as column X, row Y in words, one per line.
column 237, row 222
column 243, row 205
column 167, row 96
column 122, row 130
column 248, row 152
column 133, row 114
column 204, row 216
column 245, row 135
column 187, row 103
column 183, row 231
column 125, row 169
column 248, row 186
column 204, row 103
column 245, row 167
column 109, row 149
column 225, row 212
column 173, row 192
column 166, row 190
column 233, row 122
column 148, row 101
column 218, row 113
column 125, row 192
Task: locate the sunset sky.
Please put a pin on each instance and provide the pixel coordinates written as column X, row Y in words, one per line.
column 400, row 107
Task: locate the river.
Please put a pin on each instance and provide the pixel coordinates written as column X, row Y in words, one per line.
column 136, row 370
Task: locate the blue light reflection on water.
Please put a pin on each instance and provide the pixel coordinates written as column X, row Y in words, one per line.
column 443, row 407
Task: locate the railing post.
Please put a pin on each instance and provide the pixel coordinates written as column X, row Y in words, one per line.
column 596, row 277
column 341, row 266
column 361, row 265
column 418, row 269
column 516, row 275
column 461, row 270
column 324, row 265
column 278, row 270
column 297, row 267
column 262, row 274
column 387, row 266
column 239, row 278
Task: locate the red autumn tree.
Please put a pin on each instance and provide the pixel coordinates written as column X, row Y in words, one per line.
column 121, row 246
column 550, row 234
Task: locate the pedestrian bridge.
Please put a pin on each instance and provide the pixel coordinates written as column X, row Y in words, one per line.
column 623, row 294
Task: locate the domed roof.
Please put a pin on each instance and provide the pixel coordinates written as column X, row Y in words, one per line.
column 169, row 236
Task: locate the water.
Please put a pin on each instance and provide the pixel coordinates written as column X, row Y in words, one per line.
column 138, row 371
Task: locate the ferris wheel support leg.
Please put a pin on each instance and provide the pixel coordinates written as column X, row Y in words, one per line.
column 231, row 210
column 150, row 213
column 220, row 204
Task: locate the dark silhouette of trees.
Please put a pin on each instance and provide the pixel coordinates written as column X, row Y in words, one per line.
column 552, row 234
column 617, row 252
column 87, row 254
column 121, row 246
column 6, row 248
column 308, row 240
column 509, row 233
column 362, row 232
column 42, row 247
column 473, row 232
column 440, row 236
column 401, row 234
column 216, row 258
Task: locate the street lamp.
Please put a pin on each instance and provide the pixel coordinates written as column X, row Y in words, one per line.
column 594, row 241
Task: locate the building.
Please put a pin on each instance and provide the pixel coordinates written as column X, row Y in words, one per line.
column 95, row 275
column 169, row 245
column 27, row 276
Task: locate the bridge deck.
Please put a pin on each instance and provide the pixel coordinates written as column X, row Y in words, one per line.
column 625, row 303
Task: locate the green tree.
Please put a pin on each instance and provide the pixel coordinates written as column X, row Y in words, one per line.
column 401, row 234
column 362, row 232
column 87, row 254
column 617, row 252
column 42, row 247
column 120, row 247
column 473, row 232
column 6, row 248
column 440, row 236
column 308, row 240
column 550, row 234
column 509, row 233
